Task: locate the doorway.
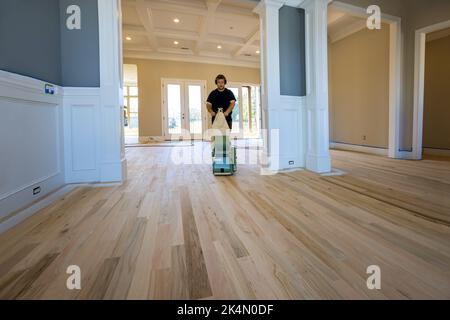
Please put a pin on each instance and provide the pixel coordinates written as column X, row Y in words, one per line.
column 130, row 104
column 345, row 22
column 183, row 109
column 419, row 91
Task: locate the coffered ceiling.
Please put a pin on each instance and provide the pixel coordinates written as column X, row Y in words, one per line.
column 208, row 31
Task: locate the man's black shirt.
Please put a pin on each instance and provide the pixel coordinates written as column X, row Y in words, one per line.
column 221, row 99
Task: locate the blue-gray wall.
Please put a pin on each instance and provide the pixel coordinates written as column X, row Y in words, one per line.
column 292, row 52
column 35, row 42
column 80, row 65
column 30, row 38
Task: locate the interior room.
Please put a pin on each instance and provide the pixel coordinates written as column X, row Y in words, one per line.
column 358, row 64
column 111, row 187
column 436, row 115
column 179, row 50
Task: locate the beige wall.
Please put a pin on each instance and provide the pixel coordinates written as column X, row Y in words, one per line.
column 359, row 88
column 436, row 118
column 150, row 73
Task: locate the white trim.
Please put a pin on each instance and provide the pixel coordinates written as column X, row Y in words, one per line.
column 17, row 217
column 419, row 84
column 110, row 134
column 130, row 54
column 26, row 90
column 395, row 71
column 21, row 215
column 358, row 148
column 146, row 139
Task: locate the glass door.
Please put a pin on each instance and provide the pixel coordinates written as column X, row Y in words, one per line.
column 247, row 112
column 237, row 125
column 195, row 108
column 184, row 109
column 175, row 116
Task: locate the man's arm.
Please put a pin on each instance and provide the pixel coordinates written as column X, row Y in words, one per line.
column 210, row 110
column 230, row 108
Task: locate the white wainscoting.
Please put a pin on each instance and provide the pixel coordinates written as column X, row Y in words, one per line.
column 292, row 124
column 31, row 142
column 81, row 134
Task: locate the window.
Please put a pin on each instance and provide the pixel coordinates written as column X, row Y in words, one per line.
column 131, row 101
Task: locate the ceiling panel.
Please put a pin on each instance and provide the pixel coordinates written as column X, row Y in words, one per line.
column 130, row 16
column 234, row 27
column 170, row 43
column 135, row 40
column 164, row 19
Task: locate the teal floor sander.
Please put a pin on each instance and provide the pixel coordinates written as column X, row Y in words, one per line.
column 224, row 156
column 223, row 153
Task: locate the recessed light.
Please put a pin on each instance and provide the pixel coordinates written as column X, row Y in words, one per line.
column 175, row 42
column 219, row 47
column 128, row 38
column 176, row 20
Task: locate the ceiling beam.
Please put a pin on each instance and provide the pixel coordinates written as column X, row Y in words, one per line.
column 248, row 43
column 176, row 34
column 191, row 58
column 224, row 11
column 146, row 18
column 207, row 22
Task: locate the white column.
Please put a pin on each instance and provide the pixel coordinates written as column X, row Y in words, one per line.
column 318, row 154
column 112, row 163
column 268, row 11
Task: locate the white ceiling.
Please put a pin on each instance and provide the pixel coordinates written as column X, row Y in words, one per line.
column 203, row 26
column 342, row 25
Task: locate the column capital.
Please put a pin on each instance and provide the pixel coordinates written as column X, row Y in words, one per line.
column 311, row 4
column 265, row 4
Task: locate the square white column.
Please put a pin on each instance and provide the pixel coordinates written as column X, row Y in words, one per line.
column 318, row 154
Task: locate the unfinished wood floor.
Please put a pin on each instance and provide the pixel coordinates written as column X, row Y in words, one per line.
column 177, row 232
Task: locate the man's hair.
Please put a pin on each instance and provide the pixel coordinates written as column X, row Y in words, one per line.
column 221, row 77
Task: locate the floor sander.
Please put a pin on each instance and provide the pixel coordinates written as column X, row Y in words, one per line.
column 223, row 153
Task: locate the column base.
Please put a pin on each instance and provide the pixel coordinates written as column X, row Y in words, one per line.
column 318, row 164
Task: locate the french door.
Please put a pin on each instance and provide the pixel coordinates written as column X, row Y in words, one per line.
column 184, row 108
column 247, row 112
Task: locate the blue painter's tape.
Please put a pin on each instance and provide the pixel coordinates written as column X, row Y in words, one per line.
column 49, row 89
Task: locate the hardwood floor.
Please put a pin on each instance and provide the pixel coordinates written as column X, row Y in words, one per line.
column 177, row 232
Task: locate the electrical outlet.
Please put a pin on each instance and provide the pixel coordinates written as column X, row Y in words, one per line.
column 364, row 138
column 291, row 163
column 36, row 191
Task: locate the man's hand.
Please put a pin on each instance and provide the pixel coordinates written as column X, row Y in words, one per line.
column 226, row 114
column 213, row 113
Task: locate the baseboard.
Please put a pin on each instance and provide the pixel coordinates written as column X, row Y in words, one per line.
column 407, row 155
column 436, row 152
column 359, row 148
column 318, row 163
column 147, row 139
column 19, row 216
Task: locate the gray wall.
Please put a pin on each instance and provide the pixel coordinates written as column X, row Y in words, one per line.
column 80, row 65
column 292, row 51
column 35, row 42
column 29, row 38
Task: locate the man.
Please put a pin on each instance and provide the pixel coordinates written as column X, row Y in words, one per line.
column 221, row 98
